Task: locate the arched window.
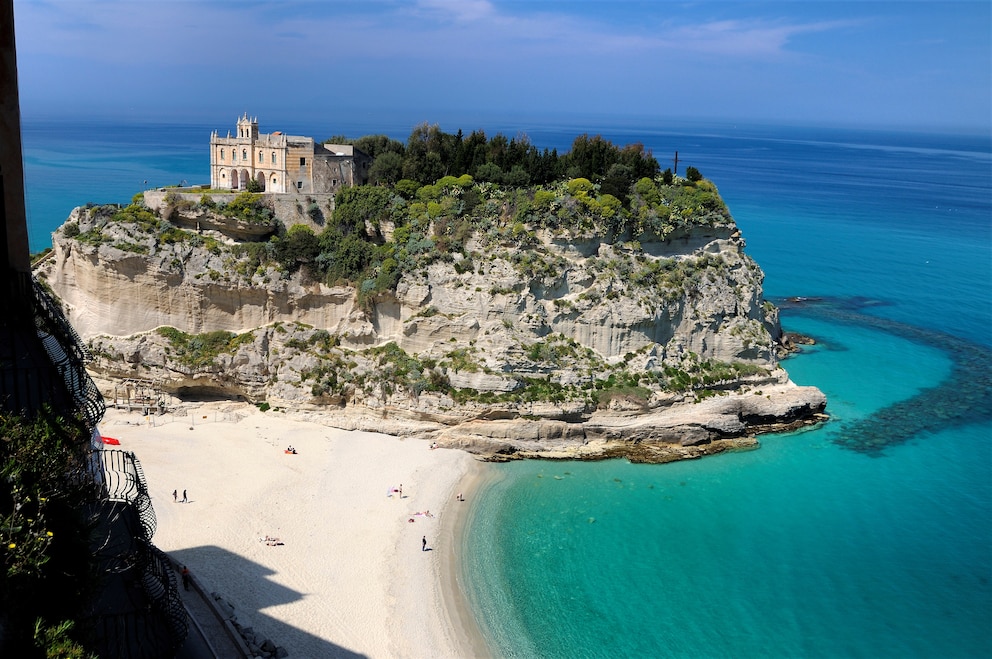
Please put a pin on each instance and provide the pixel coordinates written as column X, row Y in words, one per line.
column 222, row 154
column 261, row 157
column 244, row 154
column 273, row 157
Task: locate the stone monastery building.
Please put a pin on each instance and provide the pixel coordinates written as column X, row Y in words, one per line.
column 283, row 163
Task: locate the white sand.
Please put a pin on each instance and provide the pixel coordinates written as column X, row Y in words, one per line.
column 351, row 576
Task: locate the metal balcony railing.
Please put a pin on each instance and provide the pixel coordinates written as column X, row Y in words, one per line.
column 68, row 355
column 124, row 480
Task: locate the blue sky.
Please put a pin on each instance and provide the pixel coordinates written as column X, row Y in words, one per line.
column 867, row 63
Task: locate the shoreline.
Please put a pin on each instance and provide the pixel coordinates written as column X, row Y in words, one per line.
column 450, row 579
column 348, row 576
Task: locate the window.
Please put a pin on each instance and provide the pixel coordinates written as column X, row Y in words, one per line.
column 273, row 157
column 261, row 157
column 244, row 154
column 303, row 161
column 299, row 185
column 222, row 154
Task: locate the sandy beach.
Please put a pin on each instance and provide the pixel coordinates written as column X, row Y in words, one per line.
column 345, row 572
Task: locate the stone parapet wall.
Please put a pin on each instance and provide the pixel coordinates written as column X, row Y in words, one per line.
column 290, row 208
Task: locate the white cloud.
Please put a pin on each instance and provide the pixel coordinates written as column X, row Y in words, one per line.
column 462, row 11
column 742, row 38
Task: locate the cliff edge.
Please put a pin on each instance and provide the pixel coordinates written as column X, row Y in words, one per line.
column 551, row 321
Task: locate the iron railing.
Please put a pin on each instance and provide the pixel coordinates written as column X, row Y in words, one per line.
column 68, row 355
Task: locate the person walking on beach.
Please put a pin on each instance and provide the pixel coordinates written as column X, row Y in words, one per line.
column 185, row 578
column 423, row 544
column 175, row 496
column 184, row 497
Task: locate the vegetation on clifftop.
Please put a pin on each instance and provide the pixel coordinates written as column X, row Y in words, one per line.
column 563, row 241
column 434, row 195
column 376, row 234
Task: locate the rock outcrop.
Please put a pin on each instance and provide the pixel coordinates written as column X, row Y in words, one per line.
column 550, row 343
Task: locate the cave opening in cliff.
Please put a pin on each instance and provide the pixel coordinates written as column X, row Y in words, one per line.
column 207, row 394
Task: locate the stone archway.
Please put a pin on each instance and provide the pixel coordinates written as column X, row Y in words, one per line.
column 274, row 183
column 260, row 178
column 244, row 179
column 234, row 179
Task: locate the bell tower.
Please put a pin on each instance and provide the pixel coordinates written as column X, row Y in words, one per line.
column 248, row 128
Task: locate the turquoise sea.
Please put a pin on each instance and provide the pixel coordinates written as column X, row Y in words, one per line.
column 870, row 536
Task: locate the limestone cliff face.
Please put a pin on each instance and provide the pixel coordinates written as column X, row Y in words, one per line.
column 587, row 293
column 499, row 316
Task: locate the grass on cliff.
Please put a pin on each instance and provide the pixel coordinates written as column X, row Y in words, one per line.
column 388, row 369
column 199, row 351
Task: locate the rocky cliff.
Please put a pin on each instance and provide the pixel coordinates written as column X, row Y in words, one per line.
column 525, row 336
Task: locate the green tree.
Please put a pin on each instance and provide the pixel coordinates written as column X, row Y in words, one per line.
column 617, row 182
column 361, row 206
column 299, row 246
column 387, row 168
column 489, row 172
column 407, row 188
column 517, row 177
column 375, row 146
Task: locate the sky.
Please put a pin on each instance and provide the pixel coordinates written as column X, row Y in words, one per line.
column 871, row 64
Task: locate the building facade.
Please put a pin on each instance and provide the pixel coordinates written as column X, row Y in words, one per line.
column 283, row 163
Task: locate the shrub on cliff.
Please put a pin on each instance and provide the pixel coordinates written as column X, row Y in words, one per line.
column 250, row 207
column 362, row 206
column 299, row 246
column 198, row 351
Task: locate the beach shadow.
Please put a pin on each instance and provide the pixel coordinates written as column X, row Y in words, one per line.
column 281, row 634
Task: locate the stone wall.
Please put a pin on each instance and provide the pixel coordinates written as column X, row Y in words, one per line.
column 290, row 208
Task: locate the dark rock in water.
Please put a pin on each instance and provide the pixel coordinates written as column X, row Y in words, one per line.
column 964, row 397
column 801, row 339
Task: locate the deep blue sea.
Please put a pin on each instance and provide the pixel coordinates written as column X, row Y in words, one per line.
column 870, row 536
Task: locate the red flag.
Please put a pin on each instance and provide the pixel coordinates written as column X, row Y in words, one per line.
column 111, row 440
